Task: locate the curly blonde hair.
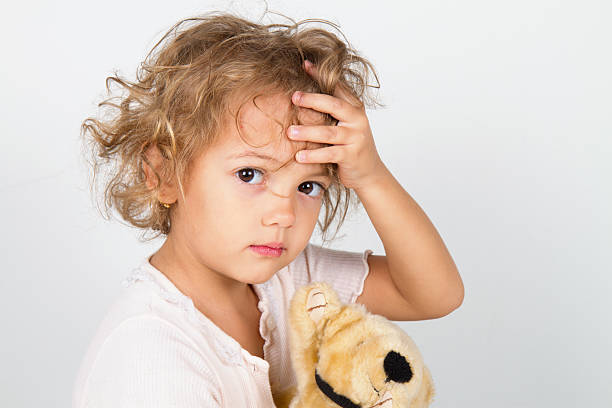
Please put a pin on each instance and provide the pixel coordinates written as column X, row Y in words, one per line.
column 182, row 91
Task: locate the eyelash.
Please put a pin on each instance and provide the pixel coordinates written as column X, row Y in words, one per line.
column 321, row 186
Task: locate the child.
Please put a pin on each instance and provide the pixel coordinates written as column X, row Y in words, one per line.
column 204, row 148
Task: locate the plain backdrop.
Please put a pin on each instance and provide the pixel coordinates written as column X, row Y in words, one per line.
column 497, row 122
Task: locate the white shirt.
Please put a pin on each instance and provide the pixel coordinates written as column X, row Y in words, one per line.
column 155, row 349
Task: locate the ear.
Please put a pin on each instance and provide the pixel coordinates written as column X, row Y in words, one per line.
column 167, row 191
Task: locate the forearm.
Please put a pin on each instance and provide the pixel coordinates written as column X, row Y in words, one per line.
column 419, row 263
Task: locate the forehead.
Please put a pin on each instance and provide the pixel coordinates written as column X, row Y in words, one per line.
column 259, row 125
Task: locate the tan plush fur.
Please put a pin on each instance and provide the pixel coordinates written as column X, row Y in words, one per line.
column 361, row 358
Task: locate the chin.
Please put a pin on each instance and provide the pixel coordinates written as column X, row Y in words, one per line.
column 261, row 279
column 264, row 275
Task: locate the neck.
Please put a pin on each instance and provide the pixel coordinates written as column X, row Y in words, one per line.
column 212, row 292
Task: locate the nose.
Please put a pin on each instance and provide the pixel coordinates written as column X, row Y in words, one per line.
column 397, row 368
column 281, row 210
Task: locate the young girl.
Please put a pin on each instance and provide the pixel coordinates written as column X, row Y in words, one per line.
column 228, row 143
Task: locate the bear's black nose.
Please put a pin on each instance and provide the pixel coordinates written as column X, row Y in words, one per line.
column 397, row 368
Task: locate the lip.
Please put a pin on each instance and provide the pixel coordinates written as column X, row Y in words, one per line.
column 266, row 250
column 273, row 245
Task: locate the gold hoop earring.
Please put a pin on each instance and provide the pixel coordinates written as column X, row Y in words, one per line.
column 165, row 205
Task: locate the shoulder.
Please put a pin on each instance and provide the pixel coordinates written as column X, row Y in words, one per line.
column 315, row 258
column 344, row 270
column 146, row 353
column 146, row 361
column 143, row 342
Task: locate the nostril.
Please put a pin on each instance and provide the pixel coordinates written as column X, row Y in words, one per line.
column 397, row 368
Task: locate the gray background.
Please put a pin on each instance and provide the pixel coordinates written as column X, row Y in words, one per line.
column 497, row 123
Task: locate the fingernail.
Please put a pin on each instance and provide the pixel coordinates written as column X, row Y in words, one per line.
column 300, row 156
column 307, row 64
column 297, row 95
column 293, row 131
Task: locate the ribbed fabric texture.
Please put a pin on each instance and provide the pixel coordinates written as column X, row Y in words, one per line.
column 155, row 349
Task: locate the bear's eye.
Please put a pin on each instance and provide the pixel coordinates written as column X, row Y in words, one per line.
column 397, row 368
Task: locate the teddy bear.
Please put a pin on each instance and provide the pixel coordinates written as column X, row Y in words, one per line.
column 344, row 356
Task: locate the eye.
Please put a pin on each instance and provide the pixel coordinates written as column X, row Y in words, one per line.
column 310, row 188
column 313, row 186
column 247, row 174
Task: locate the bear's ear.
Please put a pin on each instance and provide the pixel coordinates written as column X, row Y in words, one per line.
column 316, row 304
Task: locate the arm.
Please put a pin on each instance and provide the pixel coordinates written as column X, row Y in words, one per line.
column 417, row 278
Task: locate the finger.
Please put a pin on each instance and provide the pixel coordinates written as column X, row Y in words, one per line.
column 337, row 107
column 331, row 154
column 319, row 134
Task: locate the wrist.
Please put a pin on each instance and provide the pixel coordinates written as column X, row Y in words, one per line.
column 376, row 179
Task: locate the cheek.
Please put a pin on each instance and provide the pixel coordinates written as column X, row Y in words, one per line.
column 307, row 214
column 211, row 205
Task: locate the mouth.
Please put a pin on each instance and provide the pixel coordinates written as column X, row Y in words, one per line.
column 276, row 245
column 386, row 401
column 267, row 250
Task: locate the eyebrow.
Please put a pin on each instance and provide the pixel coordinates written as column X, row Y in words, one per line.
column 253, row 154
column 250, row 153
